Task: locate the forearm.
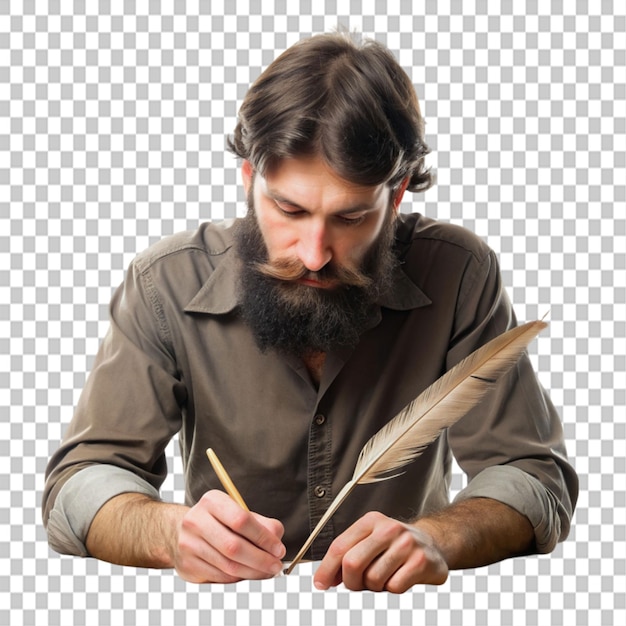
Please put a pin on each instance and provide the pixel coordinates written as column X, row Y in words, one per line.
column 133, row 529
column 477, row 532
column 378, row 552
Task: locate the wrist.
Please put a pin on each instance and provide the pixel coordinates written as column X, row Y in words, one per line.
column 437, row 537
column 170, row 517
column 477, row 532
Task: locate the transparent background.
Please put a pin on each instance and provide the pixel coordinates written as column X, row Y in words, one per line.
column 113, row 117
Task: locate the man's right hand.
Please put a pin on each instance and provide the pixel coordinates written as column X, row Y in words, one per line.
column 215, row 541
column 220, row 542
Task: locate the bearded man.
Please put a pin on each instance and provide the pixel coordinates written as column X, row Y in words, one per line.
column 287, row 339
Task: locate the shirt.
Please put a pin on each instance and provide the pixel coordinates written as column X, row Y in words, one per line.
column 179, row 359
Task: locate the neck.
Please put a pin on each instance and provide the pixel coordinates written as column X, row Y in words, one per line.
column 314, row 362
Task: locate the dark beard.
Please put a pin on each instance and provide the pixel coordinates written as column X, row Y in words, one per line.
column 298, row 319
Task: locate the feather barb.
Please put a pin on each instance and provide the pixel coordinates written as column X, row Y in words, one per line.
column 439, row 406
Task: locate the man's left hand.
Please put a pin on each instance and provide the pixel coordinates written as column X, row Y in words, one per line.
column 381, row 554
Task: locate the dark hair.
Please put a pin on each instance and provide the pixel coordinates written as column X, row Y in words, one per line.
column 349, row 102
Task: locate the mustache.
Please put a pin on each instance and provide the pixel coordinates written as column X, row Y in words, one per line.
column 291, row 270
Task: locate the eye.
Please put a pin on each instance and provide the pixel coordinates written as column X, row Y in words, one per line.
column 351, row 220
column 288, row 210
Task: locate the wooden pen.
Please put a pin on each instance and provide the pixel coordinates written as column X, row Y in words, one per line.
column 227, row 483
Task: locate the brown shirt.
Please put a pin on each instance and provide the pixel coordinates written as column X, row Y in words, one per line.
column 179, row 359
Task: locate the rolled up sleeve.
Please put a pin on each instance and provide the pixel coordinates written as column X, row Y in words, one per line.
column 81, row 497
column 511, row 446
column 129, row 410
column 519, row 490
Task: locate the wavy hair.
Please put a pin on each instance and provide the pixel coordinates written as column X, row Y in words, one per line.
column 349, row 102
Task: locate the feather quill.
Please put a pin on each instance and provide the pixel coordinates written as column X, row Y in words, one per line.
column 439, row 406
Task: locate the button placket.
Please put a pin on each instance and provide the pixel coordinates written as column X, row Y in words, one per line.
column 320, row 480
column 320, row 491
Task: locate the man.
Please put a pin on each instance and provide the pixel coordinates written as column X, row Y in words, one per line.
column 287, row 339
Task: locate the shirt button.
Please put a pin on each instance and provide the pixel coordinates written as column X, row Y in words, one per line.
column 319, row 491
column 320, row 419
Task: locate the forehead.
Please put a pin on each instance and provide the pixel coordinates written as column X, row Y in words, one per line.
column 310, row 183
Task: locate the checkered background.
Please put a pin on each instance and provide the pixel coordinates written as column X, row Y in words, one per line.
column 113, row 117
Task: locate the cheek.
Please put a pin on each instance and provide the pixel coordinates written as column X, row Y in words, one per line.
column 277, row 237
column 356, row 245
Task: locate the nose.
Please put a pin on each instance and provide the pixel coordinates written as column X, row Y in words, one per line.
column 314, row 248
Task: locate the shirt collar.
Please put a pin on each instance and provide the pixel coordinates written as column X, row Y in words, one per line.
column 218, row 295
column 404, row 294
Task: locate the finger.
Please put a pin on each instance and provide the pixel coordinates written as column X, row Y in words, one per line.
column 390, row 562
column 222, row 534
column 273, row 525
column 410, row 559
column 238, row 555
column 194, row 569
column 201, row 562
column 371, row 561
column 257, row 529
column 204, row 565
column 423, row 567
column 330, row 573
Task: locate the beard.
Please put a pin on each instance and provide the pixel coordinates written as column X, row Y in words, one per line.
column 293, row 318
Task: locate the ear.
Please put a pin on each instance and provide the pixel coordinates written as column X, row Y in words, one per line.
column 399, row 193
column 247, row 172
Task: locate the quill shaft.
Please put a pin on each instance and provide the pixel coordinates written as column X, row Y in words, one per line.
column 341, row 496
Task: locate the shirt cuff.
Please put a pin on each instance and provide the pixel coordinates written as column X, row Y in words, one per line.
column 525, row 494
column 81, row 497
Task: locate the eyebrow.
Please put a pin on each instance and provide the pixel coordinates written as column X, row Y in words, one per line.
column 357, row 208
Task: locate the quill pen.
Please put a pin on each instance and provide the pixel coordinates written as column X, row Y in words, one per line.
column 439, row 406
